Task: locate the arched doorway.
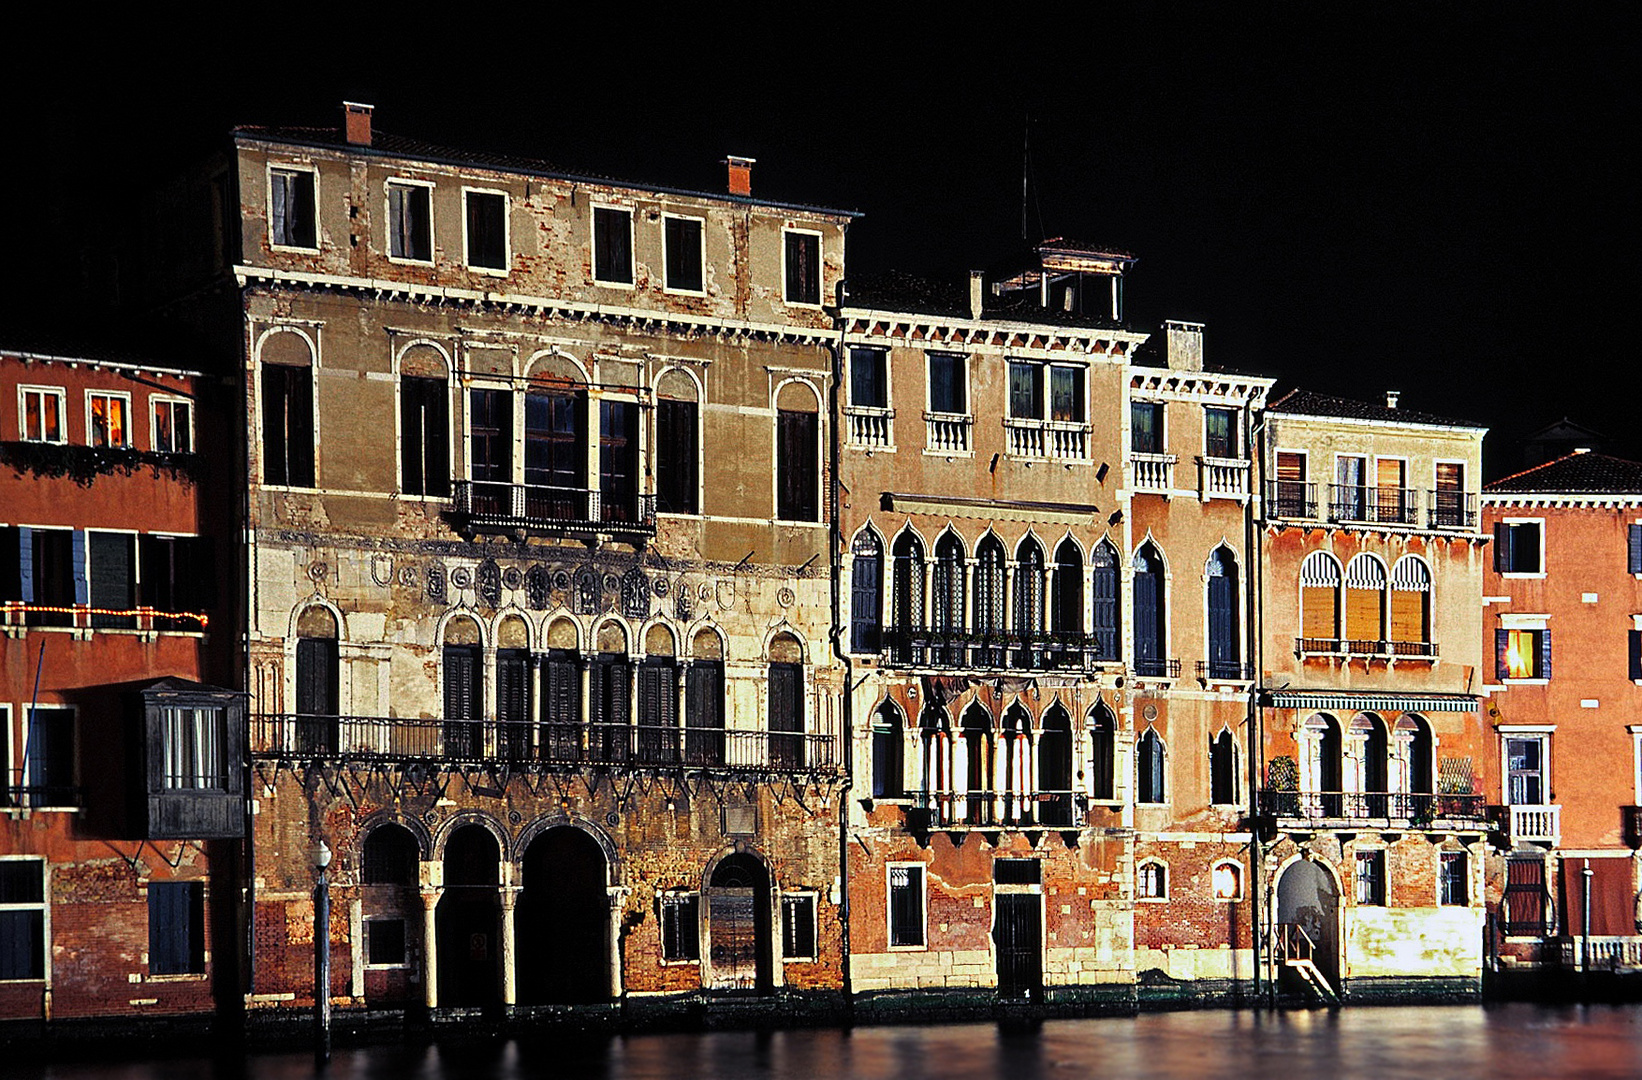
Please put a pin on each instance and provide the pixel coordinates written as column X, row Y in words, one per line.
column 563, row 919
column 468, row 922
column 1309, row 900
column 738, row 924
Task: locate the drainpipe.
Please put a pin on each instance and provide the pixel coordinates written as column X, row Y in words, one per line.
column 846, row 709
column 1585, row 925
column 1257, row 584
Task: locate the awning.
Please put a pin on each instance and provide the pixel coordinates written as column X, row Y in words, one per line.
column 1372, row 702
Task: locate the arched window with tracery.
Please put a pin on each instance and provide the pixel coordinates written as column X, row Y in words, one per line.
column 1014, row 758
column 1029, row 603
column 907, row 599
column 947, row 614
column 989, row 600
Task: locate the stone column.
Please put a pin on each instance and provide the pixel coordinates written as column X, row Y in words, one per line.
column 430, row 945
column 509, row 896
column 1001, row 760
column 612, row 937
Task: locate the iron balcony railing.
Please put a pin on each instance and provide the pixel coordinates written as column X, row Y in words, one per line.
column 1364, row 503
column 1451, row 509
column 1157, row 667
column 1393, row 807
column 976, row 809
column 410, row 739
column 1417, row 650
column 486, row 504
column 42, row 796
column 1225, row 669
column 1043, row 650
column 1291, row 499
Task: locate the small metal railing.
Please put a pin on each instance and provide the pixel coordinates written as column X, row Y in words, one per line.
column 541, row 508
column 1293, row 499
column 1402, row 807
column 42, row 796
column 1231, row 670
column 1363, row 503
column 1157, row 667
column 1451, row 509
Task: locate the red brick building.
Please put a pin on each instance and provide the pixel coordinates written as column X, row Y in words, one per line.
column 1563, row 632
column 120, row 779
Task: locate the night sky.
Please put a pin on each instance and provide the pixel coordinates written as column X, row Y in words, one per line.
column 1431, row 198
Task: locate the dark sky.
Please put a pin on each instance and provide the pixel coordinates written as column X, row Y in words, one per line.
column 1425, row 197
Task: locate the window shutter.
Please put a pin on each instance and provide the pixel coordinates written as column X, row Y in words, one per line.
column 1502, row 548
column 275, row 468
column 512, row 685
column 14, row 542
column 1635, row 553
column 112, row 586
column 1407, row 615
column 410, row 436
column 621, row 691
column 1636, row 654
column 460, row 683
column 436, row 438
column 866, row 603
column 1222, row 620
column 1502, row 645
column 82, row 593
column 561, row 697
column 300, row 415
column 1148, row 621
column 1545, row 654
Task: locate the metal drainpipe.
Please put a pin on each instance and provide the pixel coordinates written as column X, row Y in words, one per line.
column 244, row 596
column 1257, row 580
column 846, row 710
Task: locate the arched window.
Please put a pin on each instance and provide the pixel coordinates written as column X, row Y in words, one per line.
column 1322, row 778
column 786, row 703
column 1014, row 753
column 1102, row 752
column 1222, row 769
column 1029, row 603
column 1365, row 604
column 887, row 782
column 1319, row 603
column 866, row 592
column 464, row 690
column 1104, row 599
column 1066, row 609
column 1055, row 768
column 1151, row 881
column 389, row 856
column 1374, row 766
column 907, row 599
column 317, row 681
column 1150, row 657
column 974, row 750
column 947, row 615
column 1411, row 607
column 1225, row 652
column 1228, row 881
column 678, row 444
column 1150, row 773
column 1421, row 750
column 934, row 742
column 989, row 600
column 610, row 696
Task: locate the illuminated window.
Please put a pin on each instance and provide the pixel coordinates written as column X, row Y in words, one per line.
column 1228, row 881
column 1152, row 881
column 108, row 420
column 1523, row 653
column 40, row 414
column 173, row 426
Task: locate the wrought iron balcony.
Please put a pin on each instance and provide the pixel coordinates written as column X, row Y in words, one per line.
column 1291, row 499
column 992, row 649
column 975, row 809
column 1371, row 647
column 1451, row 510
column 284, row 736
column 42, row 796
column 1341, row 809
column 491, row 505
column 1229, row 670
column 1157, row 667
column 1364, row 504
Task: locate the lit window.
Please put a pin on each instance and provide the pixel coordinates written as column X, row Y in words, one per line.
column 109, row 420
column 1152, row 881
column 40, row 414
column 410, row 222
column 173, row 426
column 1228, row 881
column 1523, row 653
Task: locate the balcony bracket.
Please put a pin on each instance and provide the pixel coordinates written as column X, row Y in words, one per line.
column 1070, row 838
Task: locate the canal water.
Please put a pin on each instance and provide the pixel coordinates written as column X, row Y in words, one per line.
column 1507, row 1042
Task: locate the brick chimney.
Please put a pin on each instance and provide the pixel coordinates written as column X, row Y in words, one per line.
column 741, row 174
column 356, row 123
column 1184, row 344
column 977, row 290
column 1391, row 397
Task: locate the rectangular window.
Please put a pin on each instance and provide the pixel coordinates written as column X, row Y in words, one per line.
column 556, row 448
column 612, row 245
column 681, row 239
column 490, row 434
column 798, row 926
column 680, row 927
column 803, row 267
column 1633, row 548
column 1371, row 878
column 291, row 195
column 177, row 575
column 1146, row 427
column 1219, row 433
column 176, row 928
column 173, row 426
column 677, row 456
column 112, row 579
column 22, row 919
column 487, row 229
column 48, row 756
column 797, row 444
column 192, row 746
column 108, row 419
column 1449, row 509
column 948, row 392
column 424, row 436
column 1350, row 490
column 1523, row 654
column 385, row 942
column 287, row 426
column 1518, row 547
column 40, row 414
column 410, row 222
column 1025, row 391
column 1066, row 394
column 869, row 378
column 1452, row 877
column 1292, row 496
column 1525, row 771
column 50, row 574
column 619, row 460
column 906, row 906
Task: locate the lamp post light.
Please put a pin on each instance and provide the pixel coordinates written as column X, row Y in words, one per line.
column 322, row 953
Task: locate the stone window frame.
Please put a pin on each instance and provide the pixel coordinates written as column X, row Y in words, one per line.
column 1144, row 893
column 23, row 392
column 293, row 167
column 43, row 905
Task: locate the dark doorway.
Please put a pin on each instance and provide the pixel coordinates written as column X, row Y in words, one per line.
column 1308, row 899
column 563, row 920
column 1017, row 930
column 468, row 921
column 738, row 924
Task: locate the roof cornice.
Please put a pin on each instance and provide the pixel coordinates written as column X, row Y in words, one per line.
column 951, row 332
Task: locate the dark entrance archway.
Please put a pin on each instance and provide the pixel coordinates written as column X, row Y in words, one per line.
column 1309, row 898
column 468, row 922
column 563, row 918
column 738, row 924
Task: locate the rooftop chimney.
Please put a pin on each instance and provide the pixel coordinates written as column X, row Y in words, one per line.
column 1184, row 342
column 1391, row 397
column 976, row 285
column 741, row 174
column 356, row 123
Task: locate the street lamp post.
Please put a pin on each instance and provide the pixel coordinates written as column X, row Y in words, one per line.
column 1585, row 923
column 322, row 954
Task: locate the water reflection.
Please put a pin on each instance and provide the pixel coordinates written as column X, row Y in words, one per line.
column 1511, row 1042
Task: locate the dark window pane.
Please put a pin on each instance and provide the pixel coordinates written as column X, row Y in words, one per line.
column 410, row 232
column 1025, row 391
column 797, row 444
column 386, row 941
column 1146, row 427
column 869, row 384
column 947, row 392
column 487, row 230
column 803, row 268
column 612, row 245
column 676, row 457
column 1066, row 395
column 1220, row 433
column 176, row 927
column 683, row 239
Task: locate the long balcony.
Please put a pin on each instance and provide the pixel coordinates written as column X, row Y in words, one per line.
column 406, row 740
column 1366, row 647
column 998, row 810
column 1606, row 953
column 1344, row 809
column 85, row 617
column 495, row 506
column 1005, row 650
